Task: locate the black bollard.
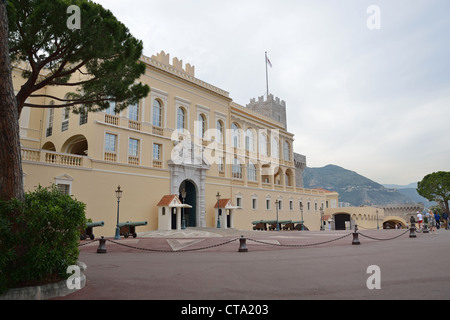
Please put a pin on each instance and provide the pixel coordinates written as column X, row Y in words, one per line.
column 101, row 245
column 355, row 237
column 412, row 233
column 242, row 244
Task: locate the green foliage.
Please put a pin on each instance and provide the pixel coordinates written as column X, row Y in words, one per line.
column 102, row 55
column 435, row 186
column 39, row 237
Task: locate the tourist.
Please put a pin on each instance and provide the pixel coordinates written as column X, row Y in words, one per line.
column 432, row 223
column 437, row 217
column 419, row 219
column 445, row 219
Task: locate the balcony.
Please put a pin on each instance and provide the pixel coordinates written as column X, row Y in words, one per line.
column 110, row 119
column 56, row 158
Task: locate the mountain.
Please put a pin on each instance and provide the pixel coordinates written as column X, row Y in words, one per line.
column 410, row 191
column 352, row 187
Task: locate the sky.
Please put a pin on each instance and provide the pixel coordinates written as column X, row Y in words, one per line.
column 366, row 83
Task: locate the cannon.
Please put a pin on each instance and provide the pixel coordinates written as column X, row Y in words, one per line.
column 88, row 231
column 259, row 225
column 299, row 226
column 129, row 228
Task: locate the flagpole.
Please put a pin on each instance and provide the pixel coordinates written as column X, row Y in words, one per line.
column 267, row 78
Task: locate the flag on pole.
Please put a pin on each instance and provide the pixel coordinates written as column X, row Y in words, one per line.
column 268, row 61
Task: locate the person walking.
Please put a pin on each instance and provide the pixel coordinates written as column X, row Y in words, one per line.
column 432, row 223
column 419, row 219
column 437, row 217
column 445, row 219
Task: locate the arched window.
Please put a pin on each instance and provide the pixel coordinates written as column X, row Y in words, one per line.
column 181, row 119
column 263, row 144
column 235, row 135
column 275, row 148
column 249, row 140
column 251, row 172
column 219, row 127
column 287, row 151
column 201, row 125
column 157, row 113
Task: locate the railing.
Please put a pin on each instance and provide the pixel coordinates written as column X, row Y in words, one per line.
column 157, row 163
column 135, row 125
column 112, row 119
column 110, row 156
column 157, row 130
column 133, row 160
column 53, row 157
column 64, row 159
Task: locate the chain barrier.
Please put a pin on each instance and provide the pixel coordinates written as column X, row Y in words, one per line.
column 86, row 243
column 172, row 251
column 250, row 239
column 299, row 245
column 385, row 238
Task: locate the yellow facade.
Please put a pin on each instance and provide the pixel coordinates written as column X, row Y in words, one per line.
column 140, row 149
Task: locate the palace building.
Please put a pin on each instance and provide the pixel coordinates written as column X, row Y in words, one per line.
column 185, row 152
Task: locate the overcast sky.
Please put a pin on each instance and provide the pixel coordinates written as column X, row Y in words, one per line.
column 375, row 101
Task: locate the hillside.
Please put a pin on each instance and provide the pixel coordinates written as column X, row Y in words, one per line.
column 352, row 187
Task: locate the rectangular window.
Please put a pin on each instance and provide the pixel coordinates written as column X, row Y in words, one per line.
column 133, row 112
column 111, row 109
column 239, row 201
column 65, row 119
column 51, row 113
column 291, row 205
column 157, row 151
column 267, row 204
column 64, row 189
column 110, row 142
column 254, row 203
column 220, row 164
column 157, row 155
column 133, row 147
column 83, row 116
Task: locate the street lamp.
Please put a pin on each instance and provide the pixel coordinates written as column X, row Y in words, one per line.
column 378, row 227
column 218, row 209
column 118, row 196
column 183, row 221
column 301, row 210
column 321, row 218
column 276, row 204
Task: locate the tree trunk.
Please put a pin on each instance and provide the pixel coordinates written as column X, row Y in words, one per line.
column 11, row 176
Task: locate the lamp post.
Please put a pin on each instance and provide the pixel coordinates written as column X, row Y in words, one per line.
column 321, row 218
column 218, row 209
column 118, row 196
column 276, row 204
column 301, row 210
column 183, row 220
column 378, row 227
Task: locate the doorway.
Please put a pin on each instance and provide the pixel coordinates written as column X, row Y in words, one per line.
column 189, row 214
column 340, row 220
